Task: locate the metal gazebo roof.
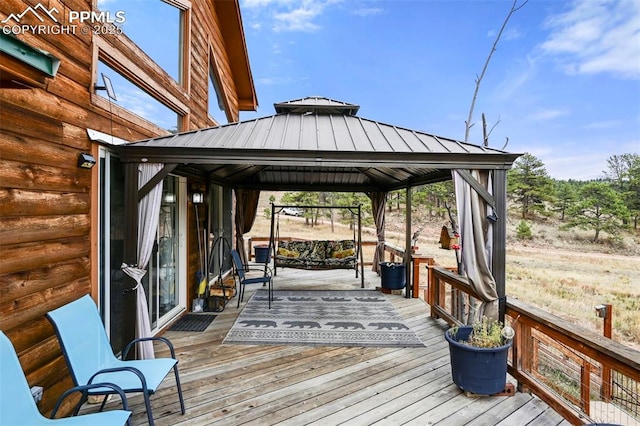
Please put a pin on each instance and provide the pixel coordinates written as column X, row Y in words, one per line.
column 316, row 144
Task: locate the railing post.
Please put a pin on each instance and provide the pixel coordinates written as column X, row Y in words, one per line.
column 434, row 283
column 416, row 277
column 585, row 386
column 606, row 386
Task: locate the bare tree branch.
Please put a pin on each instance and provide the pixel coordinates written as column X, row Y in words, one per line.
column 514, row 8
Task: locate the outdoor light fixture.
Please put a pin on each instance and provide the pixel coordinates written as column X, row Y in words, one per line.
column 197, row 198
column 601, row 311
column 106, row 81
column 86, row 161
column 169, row 198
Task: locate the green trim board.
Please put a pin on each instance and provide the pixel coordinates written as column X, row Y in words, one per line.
column 39, row 59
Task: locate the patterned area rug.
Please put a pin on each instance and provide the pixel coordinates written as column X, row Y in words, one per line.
column 322, row 318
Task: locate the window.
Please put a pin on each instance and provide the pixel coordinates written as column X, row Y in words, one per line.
column 138, row 101
column 217, row 107
column 158, row 28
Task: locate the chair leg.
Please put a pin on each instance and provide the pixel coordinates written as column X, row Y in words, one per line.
column 175, row 370
column 147, row 403
column 240, row 293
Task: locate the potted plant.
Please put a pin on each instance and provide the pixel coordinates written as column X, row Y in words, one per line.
column 479, row 356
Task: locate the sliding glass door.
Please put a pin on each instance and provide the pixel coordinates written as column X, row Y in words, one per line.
column 165, row 281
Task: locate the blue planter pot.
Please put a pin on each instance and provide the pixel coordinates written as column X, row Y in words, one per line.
column 393, row 275
column 482, row 371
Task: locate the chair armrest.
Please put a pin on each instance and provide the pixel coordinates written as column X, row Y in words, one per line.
column 133, row 370
column 266, row 269
column 144, row 339
column 84, row 388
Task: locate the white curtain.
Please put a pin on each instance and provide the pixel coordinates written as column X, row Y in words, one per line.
column 476, row 241
column 148, row 218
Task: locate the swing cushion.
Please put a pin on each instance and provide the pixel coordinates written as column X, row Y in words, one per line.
column 316, row 254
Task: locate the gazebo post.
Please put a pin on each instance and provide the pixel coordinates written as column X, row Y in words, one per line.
column 130, row 251
column 500, row 238
column 407, row 244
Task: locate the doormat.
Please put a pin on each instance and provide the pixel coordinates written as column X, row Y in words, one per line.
column 192, row 322
column 354, row 318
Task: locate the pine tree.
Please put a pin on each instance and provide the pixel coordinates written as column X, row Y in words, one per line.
column 529, row 184
column 599, row 208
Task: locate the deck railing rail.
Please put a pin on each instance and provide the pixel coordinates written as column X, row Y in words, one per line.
column 584, row 376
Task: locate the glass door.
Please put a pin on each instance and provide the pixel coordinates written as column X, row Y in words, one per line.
column 166, row 295
column 111, row 279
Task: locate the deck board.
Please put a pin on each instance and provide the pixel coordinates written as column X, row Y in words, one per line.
column 311, row 385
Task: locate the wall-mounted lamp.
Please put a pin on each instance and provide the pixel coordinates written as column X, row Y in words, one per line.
column 169, row 198
column 197, row 198
column 86, row 161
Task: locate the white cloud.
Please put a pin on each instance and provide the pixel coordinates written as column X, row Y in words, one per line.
column 549, row 114
column 300, row 19
column 367, row 11
column 604, row 125
column 508, row 34
column 287, row 15
column 597, row 36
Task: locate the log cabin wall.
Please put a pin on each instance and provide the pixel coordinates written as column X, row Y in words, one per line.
column 48, row 206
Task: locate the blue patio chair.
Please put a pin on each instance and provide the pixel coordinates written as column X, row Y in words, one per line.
column 265, row 279
column 17, row 406
column 90, row 359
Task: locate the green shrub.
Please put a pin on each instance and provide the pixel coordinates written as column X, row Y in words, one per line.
column 523, row 232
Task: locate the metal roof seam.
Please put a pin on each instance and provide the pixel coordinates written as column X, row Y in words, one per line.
column 284, row 133
column 315, row 117
column 346, row 123
column 403, row 139
column 235, row 130
column 414, row 133
column 268, row 132
column 333, row 132
column 384, row 136
column 441, row 143
column 251, row 130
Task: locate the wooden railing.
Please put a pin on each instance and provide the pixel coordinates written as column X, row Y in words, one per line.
column 583, row 376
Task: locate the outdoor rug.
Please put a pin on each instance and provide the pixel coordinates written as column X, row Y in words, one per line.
column 192, row 322
column 321, row 318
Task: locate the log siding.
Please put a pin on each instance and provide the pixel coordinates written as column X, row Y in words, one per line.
column 48, row 206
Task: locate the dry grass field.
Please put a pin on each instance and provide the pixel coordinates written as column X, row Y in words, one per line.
column 558, row 271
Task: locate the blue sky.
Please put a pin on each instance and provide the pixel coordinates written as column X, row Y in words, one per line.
column 564, row 83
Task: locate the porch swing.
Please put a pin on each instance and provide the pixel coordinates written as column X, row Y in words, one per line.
column 317, row 254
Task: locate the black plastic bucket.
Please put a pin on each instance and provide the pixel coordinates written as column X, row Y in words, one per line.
column 262, row 254
column 393, row 275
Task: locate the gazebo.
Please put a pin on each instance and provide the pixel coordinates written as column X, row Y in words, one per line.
column 320, row 144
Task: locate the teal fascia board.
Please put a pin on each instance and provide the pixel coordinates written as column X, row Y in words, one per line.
column 39, row 59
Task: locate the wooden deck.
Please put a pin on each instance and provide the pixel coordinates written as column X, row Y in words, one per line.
column 301, row 385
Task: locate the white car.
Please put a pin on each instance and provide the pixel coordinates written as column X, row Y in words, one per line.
column 292, row 211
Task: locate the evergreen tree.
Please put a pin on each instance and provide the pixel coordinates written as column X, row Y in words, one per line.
column 632, row 197
column 566, row 195
column 600, row 208
column 529, row 184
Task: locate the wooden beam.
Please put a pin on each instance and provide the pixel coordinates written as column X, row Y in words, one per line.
column 477, row 186
column 168, row 168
